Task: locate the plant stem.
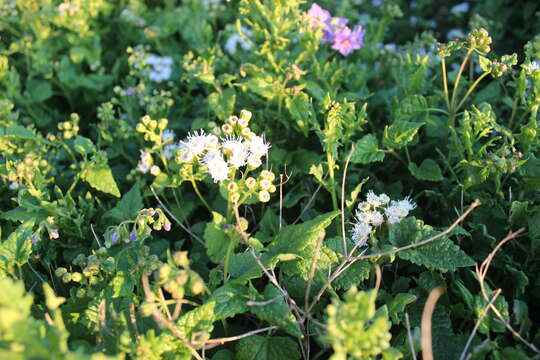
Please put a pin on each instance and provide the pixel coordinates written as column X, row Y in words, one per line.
column 473, row 86
column 445, row 84
column 194, row 184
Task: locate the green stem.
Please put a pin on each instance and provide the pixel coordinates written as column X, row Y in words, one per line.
column 473, row 86
column 458, row 79
column 194, row 184
column 445, row 84
column 228, row 254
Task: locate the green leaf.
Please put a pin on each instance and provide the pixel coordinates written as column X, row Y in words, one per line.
column 485, row 63
column 367, row 150
column 397, row 305
column 21, row 132
column 127, row 207
column 518, row 212
column 198, row 321
column 84, row 145
column 410, row 106
column 243, row 267
column 300, row 240
column 100, row 178
column 429, row 170
column 230, row 300
column 16, row 249
column 222, row 103
column 267, row 348
column 276, row 312
column 301, row 111
column 400, row 134
column 216, row 240
column 441, row 254
column 38, row 91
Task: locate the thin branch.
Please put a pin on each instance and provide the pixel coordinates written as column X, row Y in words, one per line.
column 434, row 295
column 477, row 325
column 191, row 233
column 94, row 233
column 343, row 234
column 378, row 274
column 162, row 321
column 133, row 320
column 263, row 303
column 481, row 273
column 309, row 201
column 212, row 343
column 409, row 336
column 312, row 270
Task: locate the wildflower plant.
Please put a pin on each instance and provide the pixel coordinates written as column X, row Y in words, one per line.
column 146, row 216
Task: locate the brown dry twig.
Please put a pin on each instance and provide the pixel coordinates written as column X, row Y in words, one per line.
column 434, row 295
column 481, row 273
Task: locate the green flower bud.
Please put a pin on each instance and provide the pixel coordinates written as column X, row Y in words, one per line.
column 152, row 124
column 181, row 258
column 264, row 196
column 76, row 277
column 140, row 128
column 251, row 182
column 197, row 287
column 162, row 125
column 245, row 114
column 146, row 120
column 60, row 271
column 232, row 120
column 81, row 293
column 66, row 278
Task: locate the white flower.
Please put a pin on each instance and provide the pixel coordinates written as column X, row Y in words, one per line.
column 236, row 151
column 14, row 185
column 254, row 161
column 196, row 143
column 376, row 200
column 374, row 218
column 460, row 8
column 161, row 67
column 145, row 162
column 258, row 147
column 217, row 167
column 360, row 232
column 534, row 66
column 187, row 156
column 167, row 136
column 397, row 210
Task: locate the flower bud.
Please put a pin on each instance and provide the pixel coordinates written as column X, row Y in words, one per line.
column 181, row 258
column 264, row 196
column 245, row 114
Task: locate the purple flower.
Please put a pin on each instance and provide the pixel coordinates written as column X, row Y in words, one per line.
column 319, row 16
column 114, row 238
column 330, row 28
column 132, row 237
column 53, row 234
column 129, row 91
column 34, row 239
column 346, row 41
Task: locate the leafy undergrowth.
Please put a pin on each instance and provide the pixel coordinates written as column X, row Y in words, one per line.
column 269, row 180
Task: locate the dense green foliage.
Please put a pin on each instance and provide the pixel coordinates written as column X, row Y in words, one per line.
column 198, row 179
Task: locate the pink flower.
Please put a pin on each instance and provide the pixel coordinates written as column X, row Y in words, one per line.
column 346, row 41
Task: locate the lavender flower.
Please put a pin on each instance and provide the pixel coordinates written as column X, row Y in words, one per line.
column 319, row 16
column 114, row 238
column 132, row 237
column 129, row 91
column 347, row 40
column 53, row 234
column 34, row 239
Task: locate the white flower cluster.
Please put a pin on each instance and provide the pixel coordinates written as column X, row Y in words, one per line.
column 130, row 16
column 372, row 213
column 231, row 45
column 219, row 156
column 161, row 67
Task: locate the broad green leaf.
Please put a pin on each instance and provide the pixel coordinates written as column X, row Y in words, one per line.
column 441, row 254
column 244, row 267
column 518, row 212
column 21, row 132
column 128, row 206
column 301, row 111
column 410, row 106
column 101, row 178
column 16, row 249
column 276, row 312
column 263, row 85
column 429, row 170
column 300, row 240
column 198, row 321
column 38, row 91
column 122, row 284
column 267, row 348
column 216, row 240
column 400, row 134
column 230, row 300
column 367, row 151
column 397, row 305
column 84, row 145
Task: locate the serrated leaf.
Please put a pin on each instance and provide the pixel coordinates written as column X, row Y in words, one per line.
column 243, row 267
column 16, row 249
column 441, row 254
column 429, row 170
column 230, row 300
column 300, row 240
column 276, row 312
column 216, row 240
column 410, row 106
column 101, row 178
column 267, row 348
column 400, row 134
column 128, row 206
column 301, row 110
column 366, row 150
column 199, row 321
